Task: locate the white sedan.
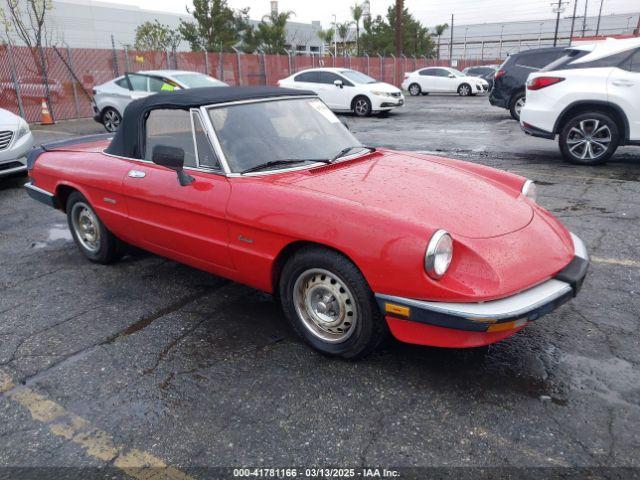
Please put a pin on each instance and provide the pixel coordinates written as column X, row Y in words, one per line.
column 111, row 98
column 346, row 90
column 442, row 80
column 15, row 142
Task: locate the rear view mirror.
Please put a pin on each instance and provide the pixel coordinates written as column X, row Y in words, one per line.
column 338, row 83
column 172, row 158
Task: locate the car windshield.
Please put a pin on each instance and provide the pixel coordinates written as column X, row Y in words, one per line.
column 285, row 130
column 195, row 80
column 457, row 73
column 357, row 77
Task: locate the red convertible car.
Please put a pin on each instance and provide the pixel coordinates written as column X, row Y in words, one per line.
column 267, row 187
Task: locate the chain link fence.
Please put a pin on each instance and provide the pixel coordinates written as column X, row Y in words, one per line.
column 70, row 74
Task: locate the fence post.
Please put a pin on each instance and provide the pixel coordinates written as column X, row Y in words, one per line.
column 482, row 51
column 43, row 60
column 221, row 65
column 426, row 60
column 264, row 66
column 381, row 67
column 366, row 55
column 73, row 83
column 415, row 63
column 405, row 63
column 333, row 59
column 14, row 79
column 175, row 57
column 116, row 70
column 239, row 67
column 395, row 66
column 206, row 62
column 126, row 59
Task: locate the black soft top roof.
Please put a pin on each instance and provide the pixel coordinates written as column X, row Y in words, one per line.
column 128, row 141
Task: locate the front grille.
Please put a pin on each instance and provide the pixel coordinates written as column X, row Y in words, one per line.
column 10, row 165
column 5, row 139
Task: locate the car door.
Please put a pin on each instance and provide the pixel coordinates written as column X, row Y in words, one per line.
column 428, row 80
column 336, row 97
column 623, row 89
column 186, row 223
column 447, row 81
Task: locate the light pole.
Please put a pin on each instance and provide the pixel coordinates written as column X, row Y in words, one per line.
column 500, row 48
column 557, row 9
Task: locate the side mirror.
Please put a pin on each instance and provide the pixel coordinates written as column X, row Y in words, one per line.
column 173, row 159
column 338, row 83
column 451, row 75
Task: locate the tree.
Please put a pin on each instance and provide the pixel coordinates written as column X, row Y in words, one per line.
column 356, row 14
column 156, row 36
column 379, row 35
column 272, row 34
column 216, row 28
column 343, row 33
column 327, row 36
column 438, row 33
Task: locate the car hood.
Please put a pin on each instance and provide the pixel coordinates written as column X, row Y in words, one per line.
column 8, row 120
column 382, row 87
column 422, row 190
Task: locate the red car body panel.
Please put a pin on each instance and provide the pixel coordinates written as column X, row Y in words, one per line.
column 379, row 210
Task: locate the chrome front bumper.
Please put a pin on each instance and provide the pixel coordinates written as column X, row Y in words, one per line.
column 516, row 310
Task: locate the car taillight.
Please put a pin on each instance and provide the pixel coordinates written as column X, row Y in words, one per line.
column 406, row 74
column 537, row 83
column 499, row 74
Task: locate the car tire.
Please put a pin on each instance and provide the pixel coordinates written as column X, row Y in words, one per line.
column 464, row 90
column 414, row 90
column 93, row 239
column 361, row 106
column 329, row 304
column 516, row 104
column 111, row 119
column 425, row 93
column 589, row 138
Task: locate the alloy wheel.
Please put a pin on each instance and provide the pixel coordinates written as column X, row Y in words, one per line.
column 325, row 305
column 111, row 120
column 361, row 107
column 465, row 90
column 414, row 90
column 86, row 226
column 589, row 140
column 518, row 105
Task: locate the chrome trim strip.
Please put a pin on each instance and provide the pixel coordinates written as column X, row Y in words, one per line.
column 38, row 189
column 579, row 247
column 513, row 306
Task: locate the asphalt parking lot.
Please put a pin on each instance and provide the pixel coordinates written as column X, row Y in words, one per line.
column 148, row 362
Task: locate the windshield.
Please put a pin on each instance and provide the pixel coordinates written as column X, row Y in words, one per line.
column 292, row 129
column 357, row 77
column 194, row 80
column 457, row 73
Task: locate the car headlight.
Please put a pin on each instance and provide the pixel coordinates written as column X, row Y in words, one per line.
column 439, row 254
column 23, row 129
column 530, row 190
column 382, row 94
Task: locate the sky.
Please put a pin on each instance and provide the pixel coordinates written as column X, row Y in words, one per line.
column 429, row 12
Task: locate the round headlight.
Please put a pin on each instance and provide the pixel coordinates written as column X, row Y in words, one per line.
column 439, row 254
column 529, row 190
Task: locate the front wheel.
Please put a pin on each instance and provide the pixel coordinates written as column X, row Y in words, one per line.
column 330, row 305
column 516, row 106
column 111, row 119
column 414, row 90
column 91, row 236
column 589, row 139
column 464, row 90
column 362, row 106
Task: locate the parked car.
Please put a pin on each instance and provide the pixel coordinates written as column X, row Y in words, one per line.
column 590, row 98
column 442, row 80
column 486, row 72
column 265, row 186
column 111, row 98
column 509, row 81
column 346, row 90
column 15, row 142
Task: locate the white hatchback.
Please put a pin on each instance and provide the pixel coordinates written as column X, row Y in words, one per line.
column 111, row 98
column 15, row 142
column 442, row 80
column 346, row 90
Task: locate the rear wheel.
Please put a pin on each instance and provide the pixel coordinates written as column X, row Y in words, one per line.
column 414, row 90
column 589, row 138
column 362, row 106
column 111, row 119
column 91, row 236
column 330, row 305
column 516, row 105
column 464, row 90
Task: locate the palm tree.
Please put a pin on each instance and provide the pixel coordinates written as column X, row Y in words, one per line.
column 438, row 33
column 326, row 35
column 272, row 31
column 343, row 33
column 356, row 13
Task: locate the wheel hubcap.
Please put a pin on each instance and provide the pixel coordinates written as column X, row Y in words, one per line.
column 519, row 105
column 414, row 90
column 111, row 120
column 325, row 305
column 85, row 226
column 464, row 90
column 361, row 107
column 589, row 140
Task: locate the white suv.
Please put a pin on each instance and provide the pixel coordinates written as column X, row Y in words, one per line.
column 590, row 98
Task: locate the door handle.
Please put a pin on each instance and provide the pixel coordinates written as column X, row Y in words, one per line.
column 136, row 174
column 622, row 83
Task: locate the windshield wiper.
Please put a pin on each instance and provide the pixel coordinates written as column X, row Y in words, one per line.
column 275, row 163
column 346, row 150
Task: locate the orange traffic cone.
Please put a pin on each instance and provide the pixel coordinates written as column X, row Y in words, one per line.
column 46, row 115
